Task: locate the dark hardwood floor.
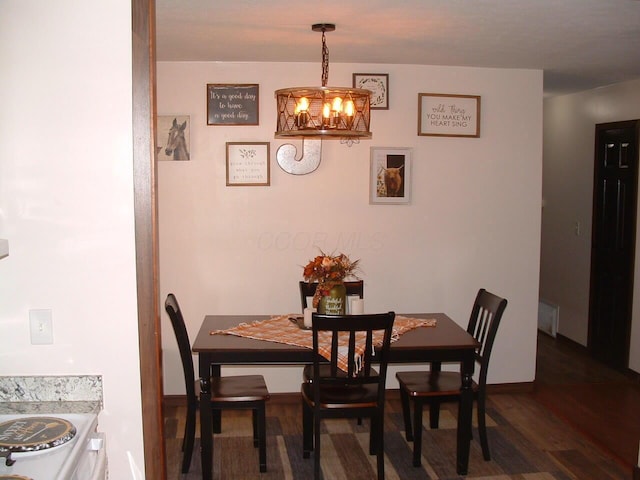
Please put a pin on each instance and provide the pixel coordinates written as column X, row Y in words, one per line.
column 581, row 421
column 600, row 403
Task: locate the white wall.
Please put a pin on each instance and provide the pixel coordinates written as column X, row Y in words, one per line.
column 569, row 129
column 66, row 203
column 473, row 221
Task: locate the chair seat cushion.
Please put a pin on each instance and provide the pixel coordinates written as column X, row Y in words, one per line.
column 425, row 383
column 244, row 388
column 325, row 371
column 361, row 396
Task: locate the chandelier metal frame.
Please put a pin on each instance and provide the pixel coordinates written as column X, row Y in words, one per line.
column 325, row 112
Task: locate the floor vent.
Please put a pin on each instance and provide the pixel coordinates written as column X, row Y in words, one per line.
column 548, row 317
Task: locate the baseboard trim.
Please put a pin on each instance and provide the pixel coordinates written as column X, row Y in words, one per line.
column 294, row 397
column 279, row 398
column 174, row 400
column 633, row 375
column 521, row 387
column 572, row 343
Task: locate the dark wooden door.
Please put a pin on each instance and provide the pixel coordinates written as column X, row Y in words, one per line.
column 613, row 242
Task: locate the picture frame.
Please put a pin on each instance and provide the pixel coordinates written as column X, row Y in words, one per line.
column 444, row 115
column 378, row 83
column 233, row 104
column 248, row 164
column 390, row 175
column 173, row 137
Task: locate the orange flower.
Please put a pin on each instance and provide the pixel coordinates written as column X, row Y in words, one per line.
column 325, row 268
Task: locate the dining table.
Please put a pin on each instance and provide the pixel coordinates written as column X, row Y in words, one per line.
column 445, row 342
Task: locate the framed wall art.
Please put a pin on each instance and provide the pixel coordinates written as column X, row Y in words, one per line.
column 442, row 115
column 248, row 164
column 390, row 175
column 378, row 83
column 173, row 137
column 231, row 104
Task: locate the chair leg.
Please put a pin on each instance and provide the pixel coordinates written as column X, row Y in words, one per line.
column 434, row 414
column 482, row 427
column 307, row 430
column 379, row 445
column 417, row 433
column 406, row 414
column 262, row 434
column 373, row 436
column 316, row 446
column 189, row 435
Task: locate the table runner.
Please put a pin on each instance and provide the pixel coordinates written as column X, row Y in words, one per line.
column 281, row 329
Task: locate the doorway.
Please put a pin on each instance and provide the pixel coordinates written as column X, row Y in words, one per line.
column 613, row 242
column 146, row 235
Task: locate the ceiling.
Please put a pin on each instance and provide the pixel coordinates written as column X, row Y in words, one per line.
column 580, row 44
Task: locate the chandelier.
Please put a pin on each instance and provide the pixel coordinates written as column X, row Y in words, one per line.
column 323, row 112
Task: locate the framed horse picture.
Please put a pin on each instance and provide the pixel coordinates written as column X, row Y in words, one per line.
column 390, row 175
column 172, row 142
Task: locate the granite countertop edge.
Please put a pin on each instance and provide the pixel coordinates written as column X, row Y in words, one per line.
column 51, row 394
column 60, row 407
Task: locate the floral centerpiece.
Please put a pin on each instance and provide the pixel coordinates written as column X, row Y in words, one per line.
column 329, row 271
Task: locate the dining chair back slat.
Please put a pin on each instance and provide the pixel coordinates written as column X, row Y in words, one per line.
column 483, row 325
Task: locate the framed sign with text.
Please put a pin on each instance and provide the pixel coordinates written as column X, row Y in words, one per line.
column 231, row 104
column 442, row 115
column 378, row 83
column 248, row 164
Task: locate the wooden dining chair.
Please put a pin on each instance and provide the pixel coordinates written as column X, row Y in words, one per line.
column 308, row 289
column 435, row 386
column 233, row 393
column 350, row 393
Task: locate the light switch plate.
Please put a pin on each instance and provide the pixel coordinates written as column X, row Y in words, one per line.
column 41, row 326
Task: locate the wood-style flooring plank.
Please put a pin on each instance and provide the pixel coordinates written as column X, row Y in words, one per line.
column 601, row 403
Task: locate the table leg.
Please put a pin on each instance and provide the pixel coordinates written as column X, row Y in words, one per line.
column 465, row 412
column 217, row 415
column 206, row 430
